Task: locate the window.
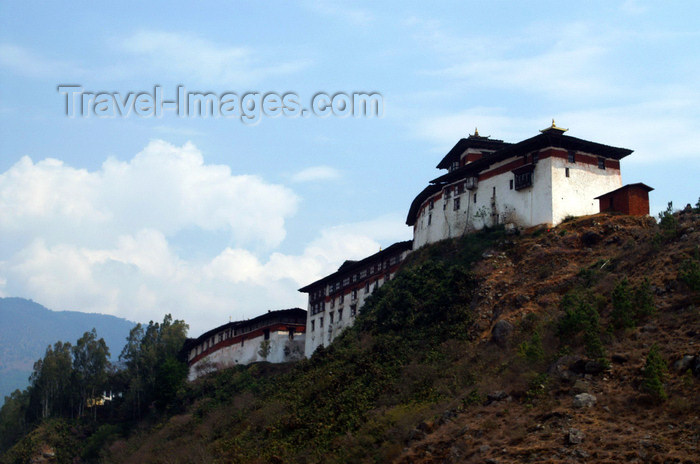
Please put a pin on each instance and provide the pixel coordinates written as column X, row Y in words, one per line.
column 474, row 197
column 367, row 287
column 511, row 184
column 332, row 302
column 291, row 333
column 354, row 294
column 331, row 316
column 567, row 172
column 523, row 180
column 340, row 314
column 431, row 204
column 601, row 163
column 448, row 192
column 353, row 310
column 459, row 188
column 313, row 325
column 535, row 157
column 456, row 206
column 320, row 321
column 572, row 156
column 346, row 281
column 493, row 193
column 266, row 334
column 340, row 298
column 430, row 219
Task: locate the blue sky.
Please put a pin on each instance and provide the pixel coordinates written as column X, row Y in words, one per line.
column 210, row 218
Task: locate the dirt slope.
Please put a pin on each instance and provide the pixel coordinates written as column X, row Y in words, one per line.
column 524, row 281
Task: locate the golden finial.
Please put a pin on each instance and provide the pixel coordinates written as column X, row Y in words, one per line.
column 476, row 132
column 554, row 127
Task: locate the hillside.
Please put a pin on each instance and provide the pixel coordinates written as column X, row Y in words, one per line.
column 579, row 343
column 27, row 328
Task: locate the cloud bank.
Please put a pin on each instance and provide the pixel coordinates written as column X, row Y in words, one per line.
column 107, row 240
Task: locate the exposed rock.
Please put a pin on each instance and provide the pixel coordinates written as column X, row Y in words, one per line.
column 581, row 386
column 498, row 395
column 575, row 437
column 584, row 400
column 696, row 366
column 501, row 333
column 593, row 367
column 619, row 358
column 561, row 367
column 684, row 363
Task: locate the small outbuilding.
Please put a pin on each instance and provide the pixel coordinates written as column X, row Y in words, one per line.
column 632, row 199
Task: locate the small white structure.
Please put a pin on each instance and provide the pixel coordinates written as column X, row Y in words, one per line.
column 335, row 300
column 277, row 336
column 540, row 180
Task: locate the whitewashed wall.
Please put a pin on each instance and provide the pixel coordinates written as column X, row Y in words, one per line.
column 282, row 349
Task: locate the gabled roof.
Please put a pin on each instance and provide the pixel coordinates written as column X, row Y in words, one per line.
column 556, row 138
column 296, row 313
column 415, row 204
column 349, row 267
column 473, row 141
column 638, row 185
column 548, row 138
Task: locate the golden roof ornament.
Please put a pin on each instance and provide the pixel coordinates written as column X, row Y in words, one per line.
column 554, row 127
column 476, row 132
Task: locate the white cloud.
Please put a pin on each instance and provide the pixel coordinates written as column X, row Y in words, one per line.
column 316, row 173
column 187, row 56
column 103, row 241
column 164, row 187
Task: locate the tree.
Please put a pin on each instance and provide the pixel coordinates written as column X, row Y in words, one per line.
column 150, row 358
column 51, row 383
column 90, row 368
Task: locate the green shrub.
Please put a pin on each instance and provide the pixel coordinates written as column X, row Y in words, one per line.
column 623, row 311
column 581, row 317
column 654, row 374
column 668, row 222
column 631, row 305
column 644, row 300
column 532, row 349
column 689, row 273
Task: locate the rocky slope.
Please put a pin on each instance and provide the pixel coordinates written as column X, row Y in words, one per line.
column 580, row 412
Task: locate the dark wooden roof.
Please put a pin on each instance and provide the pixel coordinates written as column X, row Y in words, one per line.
column 553, row 138
column 349, row 267
column 418, row 201
column 638, row 185
column 270, row 316
column 473, row 141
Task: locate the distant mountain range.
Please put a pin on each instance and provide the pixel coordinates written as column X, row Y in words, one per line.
column 27, row 328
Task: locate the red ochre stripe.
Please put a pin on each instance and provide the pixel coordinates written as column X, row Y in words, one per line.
column 298, row 328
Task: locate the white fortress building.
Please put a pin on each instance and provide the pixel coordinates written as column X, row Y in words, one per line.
column 276, row 337
column 540, row 180
column 335, row 300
